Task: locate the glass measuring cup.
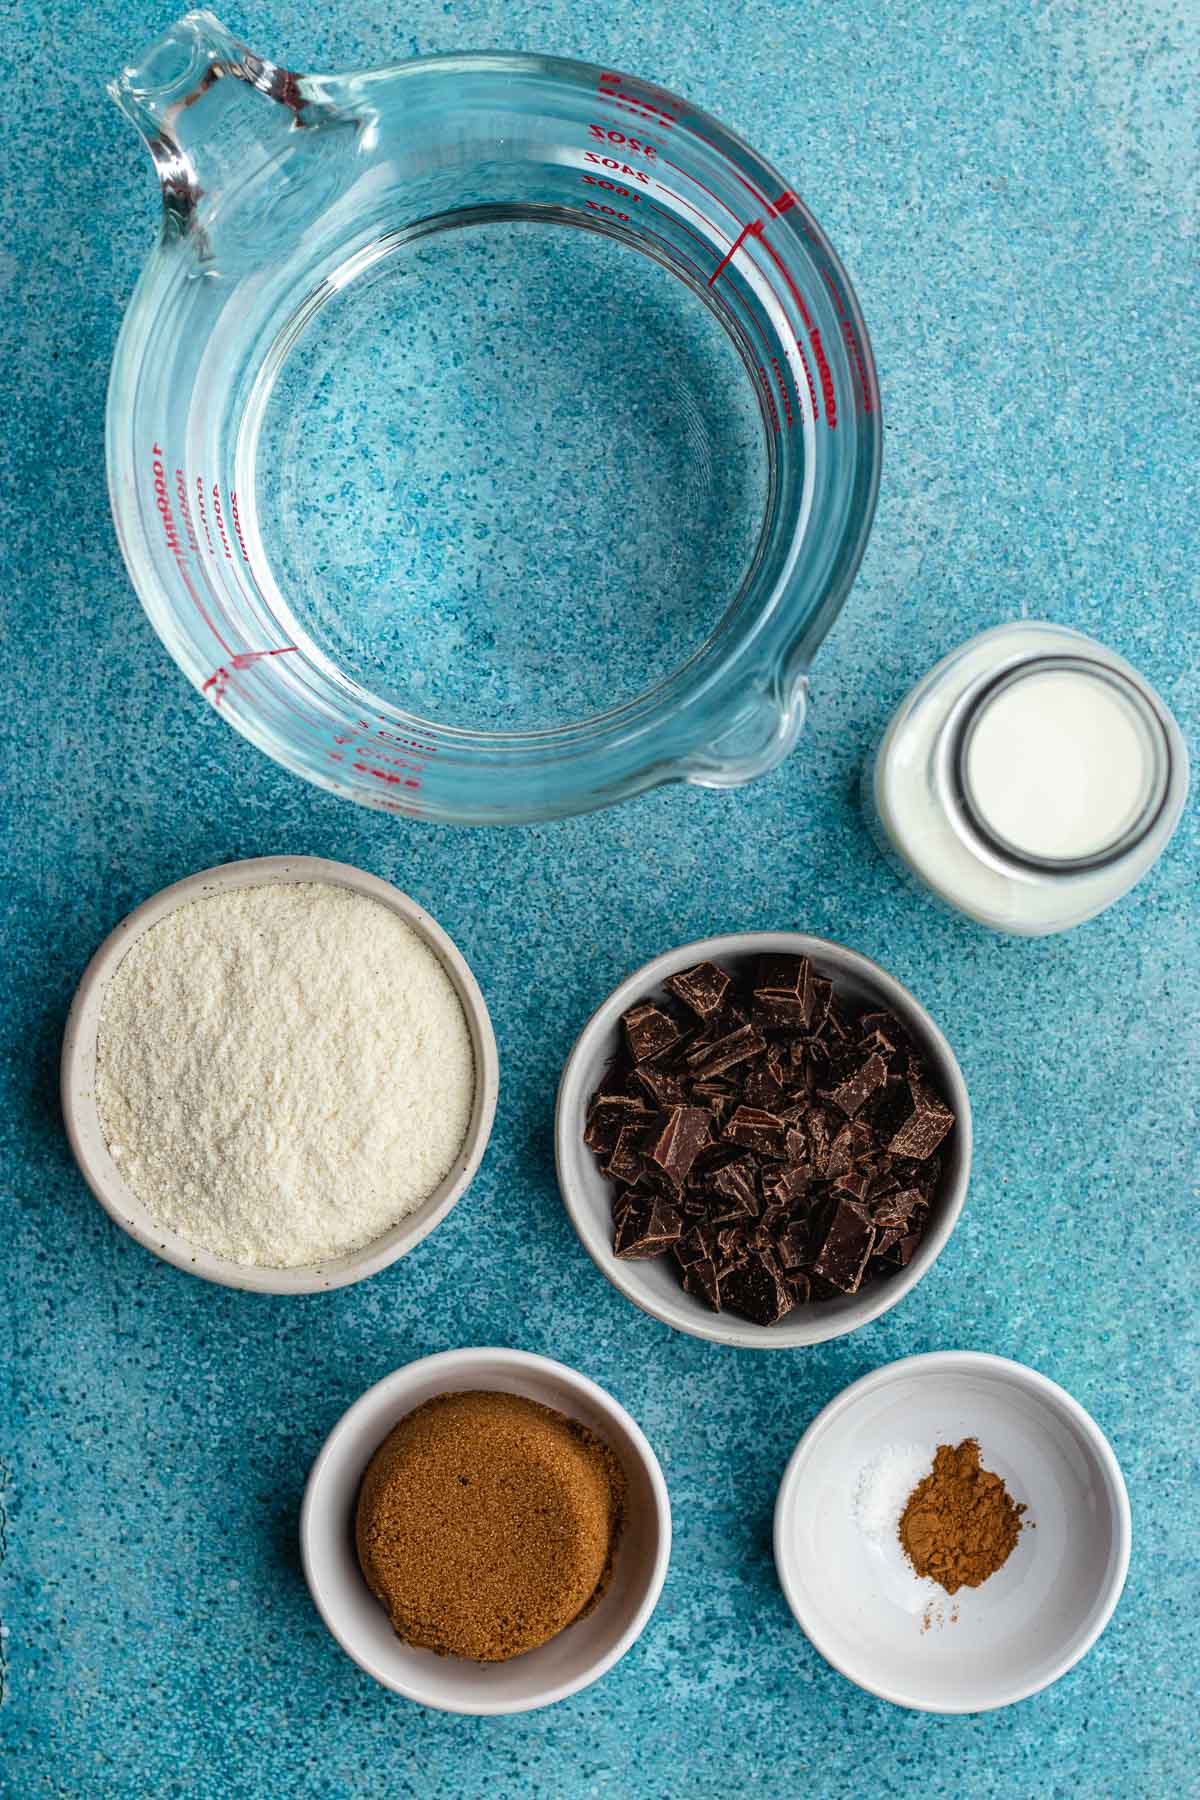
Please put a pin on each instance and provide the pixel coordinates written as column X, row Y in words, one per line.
column 490, row 437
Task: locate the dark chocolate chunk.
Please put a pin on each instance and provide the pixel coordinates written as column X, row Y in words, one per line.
column 855, row 1182
column 694, row 1246
column 800, row 1285
column 757, row 1290
column 735, row 1047
column 796, row 1145
column 883, row 1032
column 782, row 974
column 663, row 1088
column 892, row 1212
column 786, row 1183
column 762, row 1090
column 731, row 1247
column 794, row 1246
column 838, row 1029
column 778, row 1012
column 648, row 1230
column 716, row 1095
column 852, row 1094
column 819, row 1137
column 906, row 1246
column 702, row 988
column 627, row 1160
column 736, row 1186
column 910, row 1173
column 649, row 1031
column 607, row 1114
column 750, row 1125
column 818, row 1007
column 702, row 1281
column 847, row 1243
column 839, row 1157
column 675, row 1140
column 925, row 1128
column 784, row 983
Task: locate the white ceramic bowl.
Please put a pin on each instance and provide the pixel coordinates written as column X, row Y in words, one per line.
column 862, row 1606
column 79, row 1082
column 654, row 1284
column 577, row 1656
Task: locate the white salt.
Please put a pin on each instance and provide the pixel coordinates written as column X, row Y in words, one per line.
column 884, row 1487
column 283, row 1072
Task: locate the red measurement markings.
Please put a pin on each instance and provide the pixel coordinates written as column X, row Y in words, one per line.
column 754, row 229
column 237, row 525
column 219, row 680
column 614, row 87
column 636, row 146
column 361, row 768
column 393, row 762
column 682, row 224
column 200, row 508
column 361, row 752
column 706, row 246
column 610, row 162
column 771, row 406
column 748, row 185
column 220, row 522
column 812, row 392
column 162, row 505
column 185, row 511
column 856, row 357
column 394, row 737
column 783, row 389
column 696, row 182
column 611, row 187
column 824, row 373
column 595, row 206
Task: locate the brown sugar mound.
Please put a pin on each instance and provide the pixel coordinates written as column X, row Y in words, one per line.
column 961, row 1523
column 487, row 1522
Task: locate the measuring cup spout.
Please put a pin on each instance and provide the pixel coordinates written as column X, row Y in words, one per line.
column 212, row 113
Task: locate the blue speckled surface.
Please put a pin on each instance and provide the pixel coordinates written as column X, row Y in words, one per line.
column 1015, row 197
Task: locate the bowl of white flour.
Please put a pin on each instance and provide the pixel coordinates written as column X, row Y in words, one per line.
column 279, row 1074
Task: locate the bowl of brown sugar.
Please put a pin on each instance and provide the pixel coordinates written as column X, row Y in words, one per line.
column 486, row 1531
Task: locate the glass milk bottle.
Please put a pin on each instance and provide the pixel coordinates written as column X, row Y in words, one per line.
column 1030, row 779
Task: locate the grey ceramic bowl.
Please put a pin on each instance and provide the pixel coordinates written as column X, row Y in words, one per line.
column 654, row 1285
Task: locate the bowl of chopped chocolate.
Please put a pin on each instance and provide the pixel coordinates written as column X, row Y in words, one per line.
column 763, row 1139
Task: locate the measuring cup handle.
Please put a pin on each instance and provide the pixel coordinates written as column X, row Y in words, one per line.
column 211, row 112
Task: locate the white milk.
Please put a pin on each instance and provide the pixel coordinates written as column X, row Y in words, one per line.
column 1030, row 779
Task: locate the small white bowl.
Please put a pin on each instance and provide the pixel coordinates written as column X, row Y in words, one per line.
column 653, row 1284
column 79, row 1082
column 580, row 1654
column 862, row 1606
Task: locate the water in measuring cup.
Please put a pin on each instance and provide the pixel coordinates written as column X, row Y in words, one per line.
column 511, row 476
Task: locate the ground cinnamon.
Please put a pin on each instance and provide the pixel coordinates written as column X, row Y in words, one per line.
column 960, row 1524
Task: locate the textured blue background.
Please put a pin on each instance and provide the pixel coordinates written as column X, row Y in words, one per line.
column 1014, row 192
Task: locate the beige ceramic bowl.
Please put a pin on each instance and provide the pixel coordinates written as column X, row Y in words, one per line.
column 79, row 1082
